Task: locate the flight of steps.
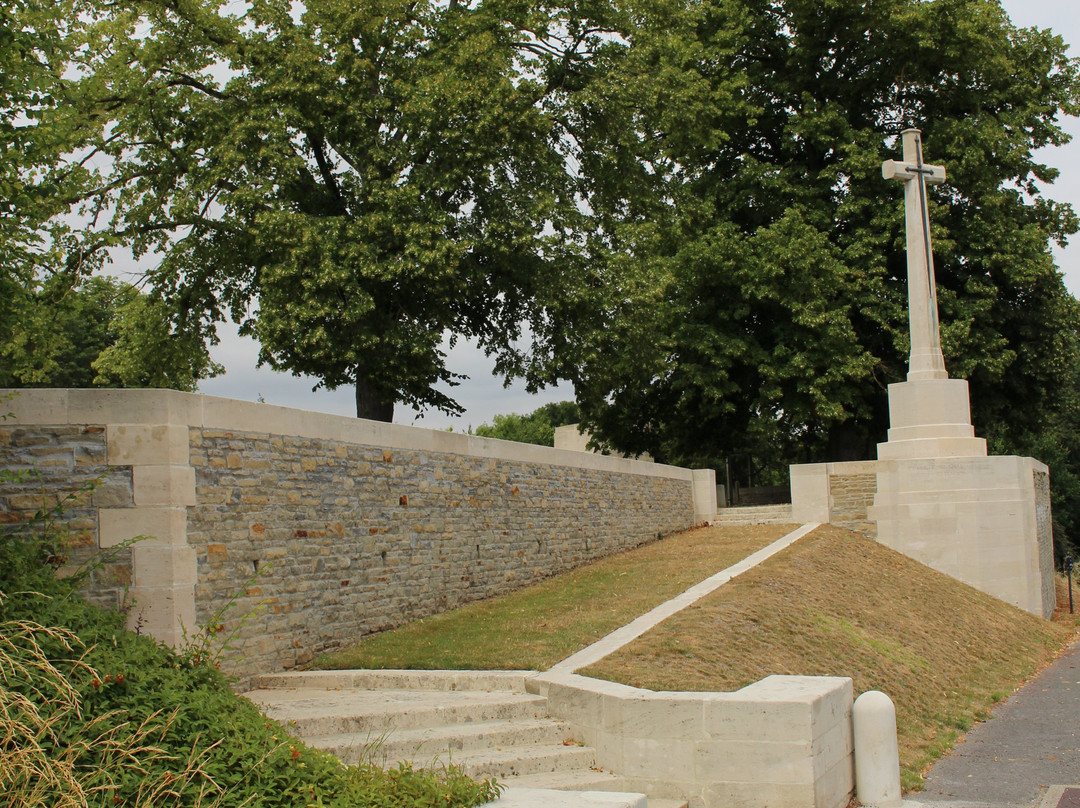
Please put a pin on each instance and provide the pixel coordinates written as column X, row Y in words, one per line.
column 753, row 515
column 483, row 722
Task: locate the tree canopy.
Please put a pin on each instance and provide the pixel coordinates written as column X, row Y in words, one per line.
column 103, row 332
column 351, row 182
column 675, row 204
column 773, row 312
column 537, row 427
column 745, row 180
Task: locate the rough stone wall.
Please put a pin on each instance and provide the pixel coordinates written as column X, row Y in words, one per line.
column 851, row 495
column 1044, row 532
column 322, row 542
column 62, row 471
column 322, row 527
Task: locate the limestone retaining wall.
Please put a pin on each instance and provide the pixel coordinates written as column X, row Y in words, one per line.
column 319, row 528
column 785, row 740
column 839, row 493
column 983, row 520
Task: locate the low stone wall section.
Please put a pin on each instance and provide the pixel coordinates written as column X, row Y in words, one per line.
column 340, row 540
column 785, row 740
column 838, row 493
column 292, row 532
column 852, row 495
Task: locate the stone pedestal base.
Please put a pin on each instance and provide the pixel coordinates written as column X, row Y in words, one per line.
column 982, row 520
column 930, row 418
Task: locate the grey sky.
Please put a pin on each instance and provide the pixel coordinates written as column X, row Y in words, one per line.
column 483, row 396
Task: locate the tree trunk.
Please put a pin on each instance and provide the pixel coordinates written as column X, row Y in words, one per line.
column 370, row 403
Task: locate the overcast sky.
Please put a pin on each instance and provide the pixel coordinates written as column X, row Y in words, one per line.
column 484, row 396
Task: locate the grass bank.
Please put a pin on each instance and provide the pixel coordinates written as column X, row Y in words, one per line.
column 835, row 603
column 537, row 626
column 838, row 604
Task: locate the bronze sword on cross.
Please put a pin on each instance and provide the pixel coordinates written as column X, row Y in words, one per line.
column 926, row 360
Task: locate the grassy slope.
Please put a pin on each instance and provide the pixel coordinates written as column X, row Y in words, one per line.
column 839, row 604
column 539, row 625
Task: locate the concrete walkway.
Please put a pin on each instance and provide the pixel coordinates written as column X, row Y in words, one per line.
column 648, row 621
column 1028, row 754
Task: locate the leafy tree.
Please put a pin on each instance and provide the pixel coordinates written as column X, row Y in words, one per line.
column 350, row 182
column 103, row 332
column 537, row 427
column 744, row 173
column 37, row 39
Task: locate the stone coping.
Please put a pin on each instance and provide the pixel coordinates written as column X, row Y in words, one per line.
column 41, row 406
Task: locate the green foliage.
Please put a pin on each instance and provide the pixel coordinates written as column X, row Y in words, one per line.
column 95, row 715
column 102, row 332
column 537, row 427
column 735, row 155
column 350, row 182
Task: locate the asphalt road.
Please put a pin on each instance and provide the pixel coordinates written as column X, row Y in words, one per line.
column 1030, row 744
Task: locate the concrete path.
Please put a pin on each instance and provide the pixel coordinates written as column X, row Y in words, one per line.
column 1028, row 754
column 631, row 631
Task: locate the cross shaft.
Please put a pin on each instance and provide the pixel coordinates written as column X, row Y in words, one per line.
column 926, row 360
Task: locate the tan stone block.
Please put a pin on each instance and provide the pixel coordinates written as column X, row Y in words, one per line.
column 35, row 406
column 582, row 706
column 789, row 762
column 163, row 612
column 147, row 444
column 134, row 407
column 118, row 574
column 810, row 492
column 755, row 795
column 164, row 566
column 659, row 758
column 832, row 746
column 652, row 715
column 834, row 787
column 162, row 525
column 112, row 493
column 163, row 485
column 29, row 502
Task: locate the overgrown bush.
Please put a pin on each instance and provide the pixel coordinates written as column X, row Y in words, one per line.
column 94, row 715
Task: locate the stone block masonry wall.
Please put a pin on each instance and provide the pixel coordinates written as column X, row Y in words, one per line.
column 55, row 479
column 340, row 540
column 321, row 528
column 852, row 494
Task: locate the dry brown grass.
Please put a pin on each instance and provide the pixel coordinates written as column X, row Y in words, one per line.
column 542, row 624
column 838, row 604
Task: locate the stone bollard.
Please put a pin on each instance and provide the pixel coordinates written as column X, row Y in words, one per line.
column 877, row 760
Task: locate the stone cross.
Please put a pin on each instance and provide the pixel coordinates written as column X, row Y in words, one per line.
column 926, row 361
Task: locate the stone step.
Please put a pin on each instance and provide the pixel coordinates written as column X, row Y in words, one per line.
column 443, row 742
column 445, row 681
column 590, row 779
column 546, row 798
column 317, row 711
column 585, row 781
column 754, row 515
column 519, row 761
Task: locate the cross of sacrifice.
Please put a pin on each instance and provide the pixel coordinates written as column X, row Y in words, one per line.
column 926, row 361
